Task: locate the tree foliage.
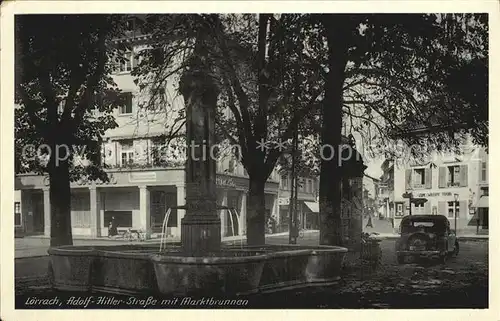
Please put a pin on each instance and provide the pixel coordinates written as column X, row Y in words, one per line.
column 64, row 93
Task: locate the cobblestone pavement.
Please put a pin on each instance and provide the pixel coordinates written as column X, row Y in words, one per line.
column 460, row 283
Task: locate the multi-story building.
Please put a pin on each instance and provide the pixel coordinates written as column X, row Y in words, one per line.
column 307, row 202
column 386, row 189
column 142, row 186
column 454, row 185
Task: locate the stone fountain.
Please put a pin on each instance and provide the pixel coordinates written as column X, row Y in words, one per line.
column 199, row 265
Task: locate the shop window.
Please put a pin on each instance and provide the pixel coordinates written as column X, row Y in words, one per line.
column 123, row 219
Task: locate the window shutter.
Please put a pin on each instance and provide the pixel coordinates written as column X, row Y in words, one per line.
column 408, row 179
column 442, row 208
column 464, row 211
column 463, row 175
column 428, row 178
column 442, row 177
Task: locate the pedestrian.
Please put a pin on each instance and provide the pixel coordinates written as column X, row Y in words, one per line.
column 113, row 227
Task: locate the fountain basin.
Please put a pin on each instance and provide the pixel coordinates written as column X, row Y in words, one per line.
column 136, row 269
column 298, row 265
column 209, row 275
column 70, row 267
column 123, row 272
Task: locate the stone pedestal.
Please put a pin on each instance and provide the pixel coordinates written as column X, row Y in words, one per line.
column 200, row 235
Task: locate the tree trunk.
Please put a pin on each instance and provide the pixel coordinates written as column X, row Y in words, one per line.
column 256, row 211
column 331, row 136
column 60, row 204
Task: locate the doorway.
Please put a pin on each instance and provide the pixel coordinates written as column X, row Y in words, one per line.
column 38, row 213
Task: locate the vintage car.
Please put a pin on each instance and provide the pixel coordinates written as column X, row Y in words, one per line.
column 426, row 236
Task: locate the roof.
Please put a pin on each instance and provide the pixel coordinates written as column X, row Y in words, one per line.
column 425, row 217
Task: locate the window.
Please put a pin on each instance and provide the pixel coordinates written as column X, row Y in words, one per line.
column 284, row 182
column 123, row 64
column 231, row 166
column 127, row 153
column 17, row 214
column 484, row 172
column 309, row 186
column 451, row 213
column 419, row 180
column 453, row 175
column 125, row 103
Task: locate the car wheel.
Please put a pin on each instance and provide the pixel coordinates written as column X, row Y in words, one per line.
column 401, row 259
column 456, row 249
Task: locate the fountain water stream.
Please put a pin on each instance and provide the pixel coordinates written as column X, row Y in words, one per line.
column 163, row 239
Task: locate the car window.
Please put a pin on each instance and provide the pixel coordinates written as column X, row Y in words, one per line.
column 426, row 226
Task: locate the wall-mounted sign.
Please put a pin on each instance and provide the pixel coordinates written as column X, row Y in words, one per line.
column 225, row 181
column 142, row 177
column 434, row 194
column 86, row 181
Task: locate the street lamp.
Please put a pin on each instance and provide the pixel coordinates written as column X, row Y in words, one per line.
column 455, row 210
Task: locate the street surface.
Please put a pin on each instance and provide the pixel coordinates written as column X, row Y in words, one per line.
column 460, row 283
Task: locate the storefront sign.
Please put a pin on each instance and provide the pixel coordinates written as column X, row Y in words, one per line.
column 87, row 181
column 225, row 181
column 142, row 177
column 434, row 194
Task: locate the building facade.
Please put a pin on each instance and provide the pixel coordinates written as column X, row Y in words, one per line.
column 146, row 177
column 386, row 189
column 307, row 203
column 447, row 184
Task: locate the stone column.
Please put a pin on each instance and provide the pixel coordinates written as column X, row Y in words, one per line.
column 200, row 227
column 95, row 212
column 243, row 214
column 223, row 214
column 144, row 211
column 46, row 212
column 181, row 201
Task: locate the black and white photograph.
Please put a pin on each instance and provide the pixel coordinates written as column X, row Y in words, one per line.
column 248, row 160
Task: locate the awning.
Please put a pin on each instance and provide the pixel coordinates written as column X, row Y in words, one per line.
column 483, row 202
column 313, row 206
